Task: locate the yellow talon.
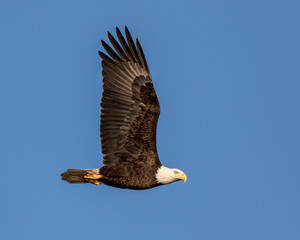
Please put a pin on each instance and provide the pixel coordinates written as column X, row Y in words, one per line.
column 93, row 178
column 96, row 182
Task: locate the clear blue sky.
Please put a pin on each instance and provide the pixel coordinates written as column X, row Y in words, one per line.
column 227, row 74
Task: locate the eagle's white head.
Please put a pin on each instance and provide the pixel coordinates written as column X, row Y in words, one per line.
column 166, row 175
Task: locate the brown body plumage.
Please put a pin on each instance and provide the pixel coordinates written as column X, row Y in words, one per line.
column 129, row 115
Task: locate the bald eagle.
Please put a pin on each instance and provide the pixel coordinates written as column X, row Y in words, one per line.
column 129, row 115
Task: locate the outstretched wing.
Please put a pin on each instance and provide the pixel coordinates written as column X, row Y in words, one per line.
column 130, row 108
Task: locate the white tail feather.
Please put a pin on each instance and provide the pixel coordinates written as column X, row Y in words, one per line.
column 76, row 175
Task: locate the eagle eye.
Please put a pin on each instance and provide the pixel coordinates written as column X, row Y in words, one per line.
column 176, row 172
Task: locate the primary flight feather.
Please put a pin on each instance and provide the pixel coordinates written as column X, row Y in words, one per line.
column 129, row 115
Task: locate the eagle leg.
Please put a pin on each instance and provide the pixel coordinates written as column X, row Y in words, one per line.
column 93, row 178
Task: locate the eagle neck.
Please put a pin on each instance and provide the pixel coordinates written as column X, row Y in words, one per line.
column 165, row 175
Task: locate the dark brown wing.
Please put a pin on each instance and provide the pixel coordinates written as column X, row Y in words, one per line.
column 130, row 108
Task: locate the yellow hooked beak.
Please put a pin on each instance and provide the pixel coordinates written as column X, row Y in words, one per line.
column 182, row 177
